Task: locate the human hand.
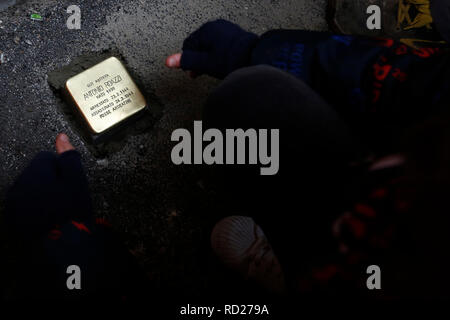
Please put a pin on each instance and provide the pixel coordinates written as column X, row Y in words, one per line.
column 216, row 49
column 52, row 190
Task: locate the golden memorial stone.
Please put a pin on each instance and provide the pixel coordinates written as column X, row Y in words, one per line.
column 105, row 95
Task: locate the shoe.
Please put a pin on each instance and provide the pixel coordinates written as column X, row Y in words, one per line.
column 409, row 21
column 242, row 246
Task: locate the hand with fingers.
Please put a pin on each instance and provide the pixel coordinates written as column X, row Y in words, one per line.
column 216, row 49
column 52, row 190
column 49, row 213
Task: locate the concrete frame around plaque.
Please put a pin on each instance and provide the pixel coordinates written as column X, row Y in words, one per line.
column 106, row 97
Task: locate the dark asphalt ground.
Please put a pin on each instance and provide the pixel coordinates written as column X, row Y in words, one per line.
column 160, row 210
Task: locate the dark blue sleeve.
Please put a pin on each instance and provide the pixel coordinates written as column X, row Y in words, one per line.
column 335, row 66
column 380, row 86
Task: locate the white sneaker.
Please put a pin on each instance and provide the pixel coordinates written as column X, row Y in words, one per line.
column 242, row 246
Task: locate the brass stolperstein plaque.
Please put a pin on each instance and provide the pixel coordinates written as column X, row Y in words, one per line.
column 106, row 95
